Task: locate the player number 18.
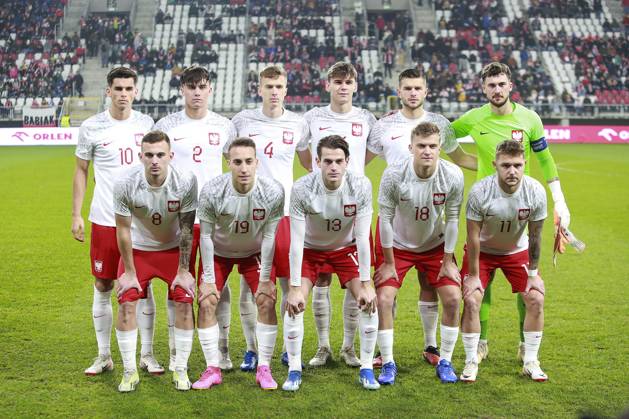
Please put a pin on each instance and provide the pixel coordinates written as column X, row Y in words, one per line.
column 422, row 213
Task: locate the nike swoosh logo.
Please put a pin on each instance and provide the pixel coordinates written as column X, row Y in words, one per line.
column 402, row 199
column 324, row 128
column 395, row 138
column 484, row 133
column 226, row 327
column 148, row 314
column 141, row 206
column 253, row 135
column 368, row 332
column 106, row 144
column 179, row 139
column 98, row 317
column 489, row 215
column 292, row 337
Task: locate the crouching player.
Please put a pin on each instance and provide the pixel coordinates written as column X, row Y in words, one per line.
column 499, row 209
column 239, row 214
column 330, row 220
column 155, row 206
column 416, row 196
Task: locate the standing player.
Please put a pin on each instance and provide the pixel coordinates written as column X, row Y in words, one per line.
column 420, row 200
column 390, row 139
column 354, row 125
column 239, row 214
column 277, row 133
column 111, row 139
column 492, row 123
column 155, row 205
column 499, row 209
column 199, row 140
column 330, row 221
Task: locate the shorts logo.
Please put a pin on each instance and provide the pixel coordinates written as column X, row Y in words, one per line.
column 357, row 129
column 523, row 214
column 287, row 137
column 138, row 138
column 173, row 206
column 98, row 265
column 214, row 138
column 258, row 214
column 349, row 210
column 438, row 198
column 517, row 135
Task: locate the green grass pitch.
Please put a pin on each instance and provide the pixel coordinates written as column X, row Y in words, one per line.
column 47, row 338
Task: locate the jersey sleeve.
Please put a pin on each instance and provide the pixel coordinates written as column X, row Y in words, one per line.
column 388, row 194
column 374, row 141
column 189, row 200
column 448, row 136
column 371, row 123
column 363, row 200
column 232, row 134
column 304, row 138
column 539, row 212
column 277, row 212
column 206, row 211
column 122, row 201
column 474, row 208
column 84, row 147
column 297, row 202
column 463, row 125
column 455, row 197
column 540, row 147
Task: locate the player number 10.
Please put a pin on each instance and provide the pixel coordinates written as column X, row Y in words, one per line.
column 126, row 156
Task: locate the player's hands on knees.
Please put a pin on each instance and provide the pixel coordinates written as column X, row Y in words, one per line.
column 78, row 228
column 207, row 290
column 266, row 288
column 127, row 281
column 535, row 283
column 185, row 280
column 472, row 284
column 367, row 300
column 450, row 270
column 295, row 302
column 385, row 272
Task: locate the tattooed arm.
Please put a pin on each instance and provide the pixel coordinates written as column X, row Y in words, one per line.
column 184, row 278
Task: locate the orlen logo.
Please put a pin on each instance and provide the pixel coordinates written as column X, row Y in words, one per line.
column 39, row 136
column 20, row 134
column 557, row 134
column 610, row 134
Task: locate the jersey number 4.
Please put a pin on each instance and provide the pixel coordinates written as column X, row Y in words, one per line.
column 268, row 149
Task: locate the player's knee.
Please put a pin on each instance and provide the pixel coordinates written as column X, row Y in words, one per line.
column 472, row 302
column 385, row 300
column 208, row 305
column 127, row 311
column 451, row 302
column 184, row 311
column 534, row 301
column 265, row 304
column 103, row 285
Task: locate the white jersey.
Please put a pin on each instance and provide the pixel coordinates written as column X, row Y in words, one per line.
column 419, row 207
column 354, row 126
column 330, row 215
column 155, row 209
column 276, row 140
column 505, row 216
column 391, row 135
column 198, row 144
column 239, row 219
column 113, row 146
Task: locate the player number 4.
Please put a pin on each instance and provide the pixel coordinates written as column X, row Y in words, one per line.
column 268, row 150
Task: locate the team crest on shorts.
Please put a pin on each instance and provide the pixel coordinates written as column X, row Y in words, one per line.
column 258, row 214
column 438, row 198
column 349, row 210
column 523, row 214
column 138, row 138
column 287, row 137
column 357, row 129
column 214, row 138
column 98, row 265
column 517, row 135
column 173, row 206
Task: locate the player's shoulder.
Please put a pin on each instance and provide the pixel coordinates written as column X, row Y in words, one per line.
column 396, row 170
column 213, row 118
column 316, row 112
column 364, row 114
column 484, row 186
column 476, row 114
column 182, row 175
column 533, row 184
column 132, row 177
column 292, row 116
column 307, row 183
column 245, row 114
column 169, row 121
column 437, row 118
column 97, row 121
column 525, row 113
column 216, row 184
column 450, row 169
column 142, row 119
column 269, row 189
column 357, row 181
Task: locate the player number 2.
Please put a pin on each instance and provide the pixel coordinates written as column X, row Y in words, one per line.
column 156, row 218
column 196, row 152
column 422, row 213
column 506, row 224
column 268, row 150
column 241, row 227
column 126, row 156
column 334, row 225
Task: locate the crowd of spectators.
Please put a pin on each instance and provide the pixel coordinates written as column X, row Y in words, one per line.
column 565, row 8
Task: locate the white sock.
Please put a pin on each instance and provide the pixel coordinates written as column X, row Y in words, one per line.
column 208, row 338
column 102, row 316
column 266, row 335
column 449, row 336
column 248, row 315
column 127, row 343
column 368, row 325
column 470, row 344
column 293, row 338
column 170, row 310
column 351, row 313
column 532, row 341
column 385, row 343
column 285, row 288
column 429, row 313
column 322, row 313
column 145, row 313
column 183, row 346
column 224, row 317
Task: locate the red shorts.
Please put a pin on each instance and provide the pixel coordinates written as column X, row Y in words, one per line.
column 104, row 254
column 343, row 262
column 327, row 269
column 428, row 262
column 282, row 247
column 196, row 237
column 248, row 267
column 161, row 264
column 513, row 266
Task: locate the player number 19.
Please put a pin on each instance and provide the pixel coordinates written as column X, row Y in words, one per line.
column 241, row 227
